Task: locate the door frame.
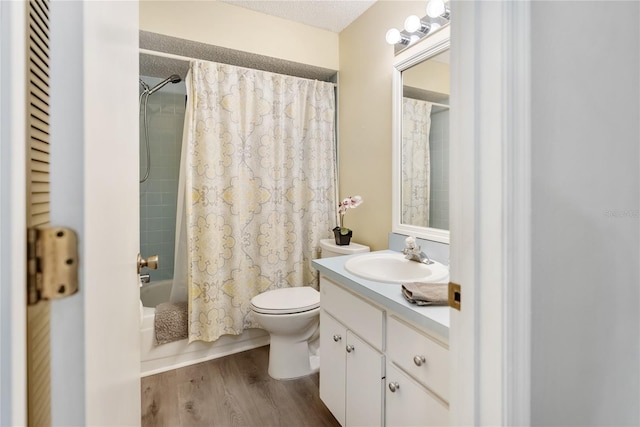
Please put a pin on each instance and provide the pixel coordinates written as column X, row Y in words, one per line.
column 13, row 389
column 490, row 212
column 517, row 256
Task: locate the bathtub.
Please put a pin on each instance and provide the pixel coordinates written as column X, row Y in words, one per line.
column 160, row 358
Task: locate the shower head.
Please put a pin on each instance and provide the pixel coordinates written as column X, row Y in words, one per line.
column 174, row 78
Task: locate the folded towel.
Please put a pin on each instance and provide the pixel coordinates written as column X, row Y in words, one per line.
column 423, row 293
column 171, row 322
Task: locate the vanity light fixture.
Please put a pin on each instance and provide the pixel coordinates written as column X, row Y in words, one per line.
column 435, row 26
column 437, row 9
column 414, row 38
column 413, row 24
column 394, row 36
column 415, row 28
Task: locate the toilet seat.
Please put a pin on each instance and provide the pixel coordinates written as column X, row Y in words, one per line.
column 286, row 300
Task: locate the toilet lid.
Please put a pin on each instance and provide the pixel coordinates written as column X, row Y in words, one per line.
column 286, row 300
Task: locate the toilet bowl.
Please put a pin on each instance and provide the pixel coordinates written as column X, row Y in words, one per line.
column 292, row 318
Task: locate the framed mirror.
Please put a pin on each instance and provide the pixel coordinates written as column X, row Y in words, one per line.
column 421, row 139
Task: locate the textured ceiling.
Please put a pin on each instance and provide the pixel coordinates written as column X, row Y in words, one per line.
column 332, row 15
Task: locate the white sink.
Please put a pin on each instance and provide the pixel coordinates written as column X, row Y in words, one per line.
column 395, row 268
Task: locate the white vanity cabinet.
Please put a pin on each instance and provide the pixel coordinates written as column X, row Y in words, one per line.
column 352, row 362
column 376, row 367
column 417, row 377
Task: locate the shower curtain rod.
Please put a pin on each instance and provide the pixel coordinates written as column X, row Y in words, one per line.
column 183, row 58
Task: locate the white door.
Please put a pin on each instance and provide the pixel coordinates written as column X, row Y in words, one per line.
column 95, row 347
column 490, row 225
column 94, row 173
column 462, row 346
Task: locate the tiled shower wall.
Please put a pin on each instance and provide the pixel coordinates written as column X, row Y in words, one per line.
column 439, row 155
column 158, row 195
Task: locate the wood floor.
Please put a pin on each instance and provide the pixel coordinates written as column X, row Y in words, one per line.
column 232, row 391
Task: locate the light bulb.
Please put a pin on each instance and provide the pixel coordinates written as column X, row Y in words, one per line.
column 393, row 36
column 412, row 23
column 434, row 27
column 414, row 38
column 435, row 8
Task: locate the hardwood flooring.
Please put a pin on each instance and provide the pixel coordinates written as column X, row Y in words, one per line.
column 232, row 391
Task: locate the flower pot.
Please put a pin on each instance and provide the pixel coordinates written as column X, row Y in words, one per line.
column 342, row 239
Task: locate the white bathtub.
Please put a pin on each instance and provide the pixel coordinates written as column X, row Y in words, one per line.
column 155, row 359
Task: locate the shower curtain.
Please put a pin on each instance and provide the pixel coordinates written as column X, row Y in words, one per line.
column 259, row 180
column 416, row 164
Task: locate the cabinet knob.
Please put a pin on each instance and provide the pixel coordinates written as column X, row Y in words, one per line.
column 350, row 348
column 419, row 360
column 337, row 338
column 394, row 386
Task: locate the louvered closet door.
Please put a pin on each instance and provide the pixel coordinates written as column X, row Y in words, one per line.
column 38, row 343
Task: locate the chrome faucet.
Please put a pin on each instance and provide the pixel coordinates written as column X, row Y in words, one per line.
column 413, row 252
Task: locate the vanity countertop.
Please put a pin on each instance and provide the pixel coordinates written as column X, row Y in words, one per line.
column 388, row 295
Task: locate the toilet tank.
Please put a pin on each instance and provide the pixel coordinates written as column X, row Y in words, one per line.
column 330, row 249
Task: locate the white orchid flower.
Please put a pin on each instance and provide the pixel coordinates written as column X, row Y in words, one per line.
column 347, row 203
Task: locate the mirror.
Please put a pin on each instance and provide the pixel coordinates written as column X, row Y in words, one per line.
column 421, row 140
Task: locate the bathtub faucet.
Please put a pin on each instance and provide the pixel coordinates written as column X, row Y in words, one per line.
column 145, row 278
column 413, row 252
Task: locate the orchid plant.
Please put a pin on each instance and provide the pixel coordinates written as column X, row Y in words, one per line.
column 348, row 203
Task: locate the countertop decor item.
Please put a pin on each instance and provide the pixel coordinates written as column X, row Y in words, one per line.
column 342, row 239
column 342, row 233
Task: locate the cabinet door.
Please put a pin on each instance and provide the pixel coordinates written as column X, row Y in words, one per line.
column 409, row 404
column 333, row 338
column 365, row 370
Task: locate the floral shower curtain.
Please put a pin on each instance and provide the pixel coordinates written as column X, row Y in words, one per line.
column 261, row 182
column 416, row 163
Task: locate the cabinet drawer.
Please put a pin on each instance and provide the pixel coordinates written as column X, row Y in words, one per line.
column 407, row 347
column 361, row 317
column 410, row 404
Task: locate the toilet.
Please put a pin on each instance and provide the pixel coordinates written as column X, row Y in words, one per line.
column 292, row 318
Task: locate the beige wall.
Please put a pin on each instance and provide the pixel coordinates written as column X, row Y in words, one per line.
column 221, row 24
column 364, row 126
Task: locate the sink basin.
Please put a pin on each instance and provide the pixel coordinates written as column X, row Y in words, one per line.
column 395, row 268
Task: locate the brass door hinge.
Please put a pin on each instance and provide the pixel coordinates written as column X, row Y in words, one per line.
column 454, row 295
column 52, row 263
